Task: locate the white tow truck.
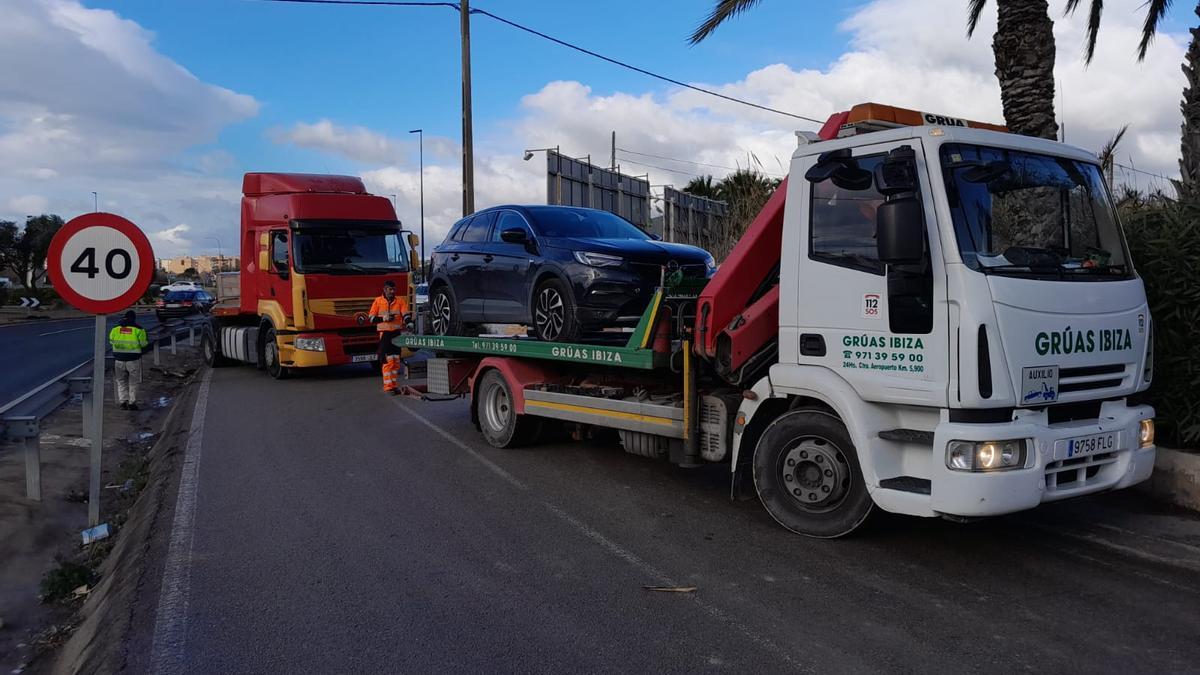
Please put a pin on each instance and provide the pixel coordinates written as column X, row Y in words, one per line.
column 931, row 316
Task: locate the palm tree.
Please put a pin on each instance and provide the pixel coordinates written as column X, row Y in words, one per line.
column 1189, row 158
column 1024, row 49
column 722, row 11
column 702, row 186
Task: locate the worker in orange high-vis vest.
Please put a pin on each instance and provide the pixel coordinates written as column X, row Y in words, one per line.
column 387, row 313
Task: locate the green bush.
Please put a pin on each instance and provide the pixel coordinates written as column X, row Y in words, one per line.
column 1164, row 240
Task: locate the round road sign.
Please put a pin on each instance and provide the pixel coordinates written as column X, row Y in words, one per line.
column 100, row 263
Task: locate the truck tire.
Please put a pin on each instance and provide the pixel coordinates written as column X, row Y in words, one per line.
column 807, row 475
column 270, row 356
column 554, row 312
column 208, row 347
column 499, row 422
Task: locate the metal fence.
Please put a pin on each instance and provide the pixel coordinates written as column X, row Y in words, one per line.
column 20, row 420
column 572, row 182
column 695, row 220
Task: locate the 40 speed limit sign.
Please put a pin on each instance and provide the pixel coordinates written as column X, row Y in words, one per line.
column 100, row 263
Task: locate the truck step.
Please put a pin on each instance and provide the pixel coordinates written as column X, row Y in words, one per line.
column 913, row 436
column 913, row 484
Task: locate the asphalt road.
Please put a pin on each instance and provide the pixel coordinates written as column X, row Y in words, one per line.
column 337, row 530
column 33, row 353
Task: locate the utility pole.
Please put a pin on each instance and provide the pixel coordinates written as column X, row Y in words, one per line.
column 467, row 142
column 613, row 165
column 421, row 155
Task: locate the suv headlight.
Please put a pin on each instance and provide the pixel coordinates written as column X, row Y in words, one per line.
column 985, row 455
column 598, row 259
column 711, row 263
column 310, row 344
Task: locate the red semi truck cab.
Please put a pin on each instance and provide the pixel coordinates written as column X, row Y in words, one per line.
column 315, row 252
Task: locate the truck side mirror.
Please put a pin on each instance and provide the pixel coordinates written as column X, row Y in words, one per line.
column 514, row 235
column 900, row 231
column 413, row 241
column 897, row 173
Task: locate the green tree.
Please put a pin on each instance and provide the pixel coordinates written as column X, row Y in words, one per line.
column 24, row 250
column 190, row 273
column 702, row 186
column 1189, row 155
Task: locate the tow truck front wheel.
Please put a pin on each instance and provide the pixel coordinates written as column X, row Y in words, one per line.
column 499, row 422
column 807, row 475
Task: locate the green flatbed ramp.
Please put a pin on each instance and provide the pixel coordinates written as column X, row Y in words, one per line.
column 637, row 352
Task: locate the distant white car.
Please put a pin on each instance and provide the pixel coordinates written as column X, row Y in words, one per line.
column 182, row 286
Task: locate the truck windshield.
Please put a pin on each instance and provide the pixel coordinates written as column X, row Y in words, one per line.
column 348, row 251
column 1024, row 214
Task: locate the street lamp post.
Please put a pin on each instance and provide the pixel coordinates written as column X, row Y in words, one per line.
column 421, row 159
column 220, row 255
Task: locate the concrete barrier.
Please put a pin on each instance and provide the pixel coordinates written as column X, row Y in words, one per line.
column 1176, row 478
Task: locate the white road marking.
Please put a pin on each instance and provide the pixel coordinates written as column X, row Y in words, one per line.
column 660, row 578
column 167, row 654
column 65, row 330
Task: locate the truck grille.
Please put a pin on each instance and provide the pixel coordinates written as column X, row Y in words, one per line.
column 351, row 307
column 1091, row 378
column 360, row 344
column 1077, row 472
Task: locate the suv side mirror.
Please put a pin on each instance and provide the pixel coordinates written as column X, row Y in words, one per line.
column 900, row 231
column 514, row 235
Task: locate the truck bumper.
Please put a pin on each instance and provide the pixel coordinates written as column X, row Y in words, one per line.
column 1049, row 473
column 339, row 349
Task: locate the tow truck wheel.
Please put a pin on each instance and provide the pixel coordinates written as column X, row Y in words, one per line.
column 271, row 362
column 807, row 475
column 499, row 422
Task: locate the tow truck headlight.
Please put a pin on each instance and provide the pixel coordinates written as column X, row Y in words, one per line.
column 1146, row 434
column 311, row 344
column 598, row 259
column 985, row 455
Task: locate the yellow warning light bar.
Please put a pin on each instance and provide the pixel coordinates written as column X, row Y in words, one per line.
column 875, row 115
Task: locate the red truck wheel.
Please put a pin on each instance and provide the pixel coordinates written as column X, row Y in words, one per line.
column 807, row 475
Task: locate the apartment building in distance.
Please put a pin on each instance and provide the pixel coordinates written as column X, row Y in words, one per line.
column 203, row 264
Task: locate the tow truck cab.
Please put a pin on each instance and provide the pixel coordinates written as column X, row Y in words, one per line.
column 963, row 300
column 316, row 251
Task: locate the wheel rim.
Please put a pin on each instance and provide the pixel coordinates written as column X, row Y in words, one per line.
column 208, row 349
column 549, row 314
column 439, row 318
column 497, row 408
column 815, row 474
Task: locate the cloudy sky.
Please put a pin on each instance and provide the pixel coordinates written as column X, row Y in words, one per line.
column 159, row 107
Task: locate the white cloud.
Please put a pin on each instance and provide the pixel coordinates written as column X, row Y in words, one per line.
column 30, row 205
column 357, row 143
column 173, row 236
column 89, row 104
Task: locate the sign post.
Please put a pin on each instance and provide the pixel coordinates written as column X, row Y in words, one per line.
column 99, row 263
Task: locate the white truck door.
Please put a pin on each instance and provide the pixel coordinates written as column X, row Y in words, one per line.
column 883, row 328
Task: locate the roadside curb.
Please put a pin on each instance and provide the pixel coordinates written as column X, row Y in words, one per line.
column 1176, row 478
column 104, row 620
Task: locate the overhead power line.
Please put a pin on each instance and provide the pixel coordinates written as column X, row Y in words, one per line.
column 694, row 163
column 563, row 43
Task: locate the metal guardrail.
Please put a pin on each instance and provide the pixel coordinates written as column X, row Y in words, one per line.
column 20, row 420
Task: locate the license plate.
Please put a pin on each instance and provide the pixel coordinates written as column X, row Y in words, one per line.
column 173, row 306
column 1086, row 445
column 363, row 358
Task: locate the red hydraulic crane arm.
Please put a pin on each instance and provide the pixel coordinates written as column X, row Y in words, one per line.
column 737, row 315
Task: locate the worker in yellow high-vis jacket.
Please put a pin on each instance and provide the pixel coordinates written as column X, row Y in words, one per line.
column 129, row 342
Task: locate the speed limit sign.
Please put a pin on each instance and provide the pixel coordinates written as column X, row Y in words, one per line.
column 100, row 263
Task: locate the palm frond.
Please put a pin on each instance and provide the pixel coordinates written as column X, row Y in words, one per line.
column 1108, row 152
column 974, row 10
column 1155, row 11
column 721, row 12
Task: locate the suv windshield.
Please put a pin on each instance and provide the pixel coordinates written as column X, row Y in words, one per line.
column 1025, row 214
column 348, row 251
column 179, row 296
column 556, row 221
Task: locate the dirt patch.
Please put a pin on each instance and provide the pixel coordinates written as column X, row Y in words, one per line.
column 40, row 541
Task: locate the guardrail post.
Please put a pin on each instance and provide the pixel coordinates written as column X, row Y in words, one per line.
column 173, row 341
column 191, row 335
column 83, row 387
column 156, row 362
column 24, row 428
